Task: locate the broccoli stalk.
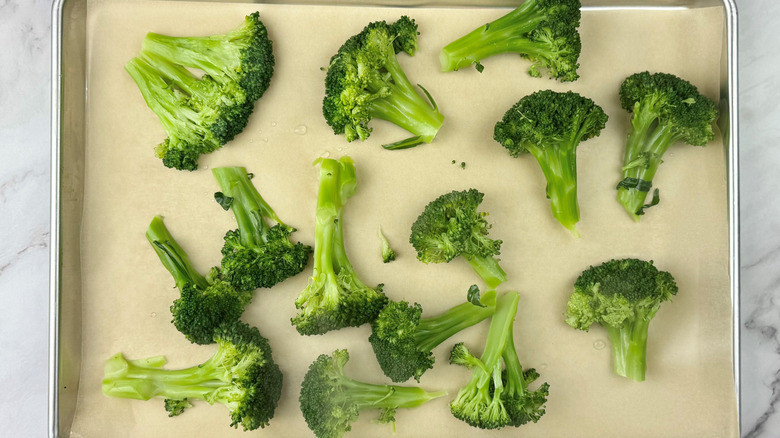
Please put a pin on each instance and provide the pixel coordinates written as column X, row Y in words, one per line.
column 331, row 401
column 256, row 254
column 402, row 340
column 622, row 296
column 544, row 31
column 365, row 81
column 550, row 126
column 450, row 226
column 240, row 375
column 665, row 110
column 200, row 115
column 335, row 296
column 204, row 302
column 498, row 396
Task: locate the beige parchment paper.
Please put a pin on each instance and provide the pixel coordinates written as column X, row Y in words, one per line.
column 689, row 390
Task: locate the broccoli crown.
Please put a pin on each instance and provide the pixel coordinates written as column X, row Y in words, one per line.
column 402, row 340
column 543, row 31
column 450, row 226
column 241, row 375
column 331, row 401
column 365, row 81
column 204, row 302
column 256, row 254
column 200, row 115
column 498, row 394
column 335, row 296
column 623, row 296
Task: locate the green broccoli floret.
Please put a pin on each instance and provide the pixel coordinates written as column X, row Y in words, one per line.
column 496, row 397
column 335, row 297
column 365, row 81
column 402, row 340
column 201, row 115
column 388, row 253
column 256, row 254
column 450, row 226
column 241, row 375
column 665, row 110
column 331, row 401
column 550, row 126
column 543, row 31
column 174, row 408
column 204, row 302
column 622, row 296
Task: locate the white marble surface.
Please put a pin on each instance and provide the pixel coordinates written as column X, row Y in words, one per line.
column 25, row 30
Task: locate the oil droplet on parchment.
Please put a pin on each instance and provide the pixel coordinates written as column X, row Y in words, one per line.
column 599, row 345
column 300, row 129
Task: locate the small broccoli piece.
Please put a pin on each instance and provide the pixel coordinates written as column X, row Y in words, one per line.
column 365, row 81
column 402, row 340
column 204, row 302
column 450, row 226
column 201, row 115
column 176, row 407
column 335, row 296
column 331, row 401
column 543, row 31
column 388, row 253
column 550, row 126
column 496, row 397
column 241, row 375
column 665, row 110
column 256, row 255
column 622, row 296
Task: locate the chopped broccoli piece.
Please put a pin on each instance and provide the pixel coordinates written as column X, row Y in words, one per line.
column 204, row 302
column 495, row 398
column 450, row 226
column 335, row 297
column 402, row 340
column 543, row 31
column 665, row 110
column 241, row 375
column 622, row 296
column 388, row 253
column 256, row 254
column 365, row 81
column 201, row 115
column 550, row 126
column 331, row 401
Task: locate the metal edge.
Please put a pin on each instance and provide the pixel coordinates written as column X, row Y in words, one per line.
column 733, row 191
column 54, row 223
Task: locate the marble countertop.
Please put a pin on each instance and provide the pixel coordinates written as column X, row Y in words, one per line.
column 25, row 53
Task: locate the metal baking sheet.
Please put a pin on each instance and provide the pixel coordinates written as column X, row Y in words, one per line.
column 73, row 379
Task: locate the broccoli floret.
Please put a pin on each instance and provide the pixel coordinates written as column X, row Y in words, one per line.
column 176, row 407
column 365, row 81
column 622, row 296
column 550, row 126
column 256, row 254
column 450, row 226
column 665, row 109
column 388, row 253
column 498, row 396
column 201, row 115
column 402, row 340
column 543, row 31
column 335, row 296
column 241, row 375
column 331, row 401
column 204, row 302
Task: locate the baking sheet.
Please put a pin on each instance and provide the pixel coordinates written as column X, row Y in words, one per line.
column 126, row 292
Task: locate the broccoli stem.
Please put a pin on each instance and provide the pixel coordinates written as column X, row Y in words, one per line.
column 516, row 385
column 629, row 345
column 433, row 331
column 498, row 336
column 559, row 165
column 248, row 206
column 489, row 270
column 172, row 256
column 370, row 395
column 209, row 54
column 499, row 36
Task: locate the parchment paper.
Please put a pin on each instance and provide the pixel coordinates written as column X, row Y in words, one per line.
column 689, row 390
